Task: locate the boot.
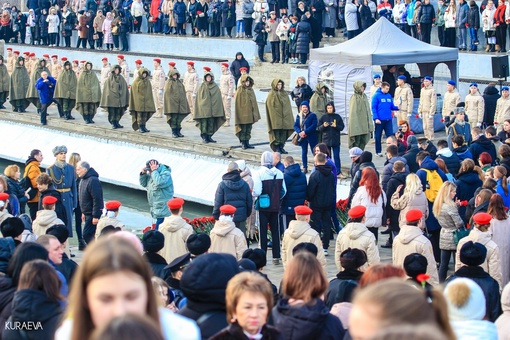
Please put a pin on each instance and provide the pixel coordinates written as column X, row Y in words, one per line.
column 178, row 130
column 15, row 109
column 205, row 140
column 282, row 150
column 90, row 120
column 243, row 145
column 143, row 129
column 22, row 109
column 174, row 133
column 118, row 125
column 491, row 49
column 61, row 113
column 43, row 120
column 114, row 126
column 68, row 116
column 81, row 245
column 209, row 138
column 86, row 119
column 248, row 145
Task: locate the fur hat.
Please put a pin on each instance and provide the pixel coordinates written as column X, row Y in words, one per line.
column 353, row 258
column 415, row 264
column 198, row 244
column 12, row 227
column 59, row 231
column 58, row 149
column 257, row 255
column 153, row 241
column 473, row 254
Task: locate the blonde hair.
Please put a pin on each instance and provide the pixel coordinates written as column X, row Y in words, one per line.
column 74, row 158
column 413, row 184
column 11, row 170
column 443, row 197
column 300, row 77
column 157, row 284
column 247, row 282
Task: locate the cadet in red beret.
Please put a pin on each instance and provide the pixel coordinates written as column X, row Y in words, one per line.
column 176, row 231
column 16, row 52
column 138, row 62
column 158, row 86
column 104, row 59
column 4, row 196
column 411, row 240
column 4, row 200
column 191, row 63
column 120, row 56
column 47, row 217
column 64, row 59
column 227, row 88
column 49, row 200
column 157, row 60
column 355, row 234
column 110, row 218
column 171, row 64
column 299, row 231
column 207, row 69
column 190, row 81
column 482, row 218
column 225, row 237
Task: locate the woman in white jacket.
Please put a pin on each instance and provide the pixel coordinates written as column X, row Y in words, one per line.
column 53, row 24
column 500, row 230
column 371, row 196
column 488, row 25
column 413, row 197
column 449, row 25
column 260, row 8
column 351, row 18
column 282, row 31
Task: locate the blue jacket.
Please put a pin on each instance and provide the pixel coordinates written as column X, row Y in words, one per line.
column 160, row 188
column 295, row 181
column 309, row 127
column 499, row 190
column 483, row 144
column 382, row 105
column 180, row 12
column 46, row 89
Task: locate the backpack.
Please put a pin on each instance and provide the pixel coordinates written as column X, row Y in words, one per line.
column 433, row 183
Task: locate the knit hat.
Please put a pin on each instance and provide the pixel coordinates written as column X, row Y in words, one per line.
column 415, row 264
column 153, row 241
column 266, row 158
column 241, row 164
column 355, row 152
column 246, row 265
column 198, row 244
column 305, row 103
column 473, row 254
column 353, row 258
column 257, row 255
column 59, row 231
column 465, row 300
column 12, row 227
column 366, row 156
column 58, row 149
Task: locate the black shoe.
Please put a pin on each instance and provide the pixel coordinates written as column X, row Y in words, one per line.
column 386, row 232
column 86, row 119
column 248, row 145
column 243, row 145
column 22, row 109
column 114, row 126
column 174, row 133
column 90, row 120
column 69, row 117
column 2, row 107
column 205, row 140
column 282, row 151
column 209, row 138
column 143, row 129
column 118, row 125
column 387, row 245
column 82, row 245
column 61, row 114
column 15, row 109
column 178, row 130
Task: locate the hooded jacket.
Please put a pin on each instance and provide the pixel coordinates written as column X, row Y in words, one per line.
column 226, row 238
column 483, row 144
column 408, row 201
column 91, row 194
column 45, row 219
column 356, row 235
column 235, row 191
column 238, row 63
column 375, row 211
column 467, row 183
column 492, row 263
column 176, row 232
column 397, row 179
column 388, row 169
column 360, row 115
column 309, row 321
column 503, row 322
column 318, row 100
column 411, row 240
column 115, row 91
column 175, row 96
column 160, row 188
column 46, row 89
column 263, row 184
column 450, row 159
column 106, row 221
column 279, row 114
column 320, row 192
column 297, row 232
column 330, row 134
column 295, row 182
column 33, row 305
column 7, row 247
column 157, row 264
column 490, row 97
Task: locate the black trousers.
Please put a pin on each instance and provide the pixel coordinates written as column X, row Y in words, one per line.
column 275, row 51
column 89, row 229
column 425, row 32
column 320, row 220
column 248, row 24
column 77, row 222
column 138, row 24
column 261, row 52
column 501, row 36
column 83, row 42
column 271, row 218
column 285, row 50
column 123, row 39
column 33, row 207
column 441, row 35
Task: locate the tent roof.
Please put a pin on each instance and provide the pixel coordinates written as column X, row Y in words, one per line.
column 383, row 44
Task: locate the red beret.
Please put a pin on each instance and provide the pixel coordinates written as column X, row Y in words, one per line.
column 414, row 215
column 46, row 55
column 243, row 69
column 157, row 60
column 54, row 56
column 357, row 211
column 4, row 196
column 175, row 203
column 83, row 61
column 9, row 48
column 171, row 63
column 48, row 200
column 224, row 64
column 302, row 210
column 25, row 53
column 228, row 209
column 207, row 69
column 32, row 54
column 75, row 61
column 104, row 59
column 482, row 218
column 64, row 58
column 120, row 56
column 15, row 52
column 138, row 62
column 112, row 205
column 191, row 63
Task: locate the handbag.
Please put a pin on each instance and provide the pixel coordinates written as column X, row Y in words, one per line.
column 460, row 234
column 95, row 36
column 264, row 200
column 115, row 29
column 295, row 139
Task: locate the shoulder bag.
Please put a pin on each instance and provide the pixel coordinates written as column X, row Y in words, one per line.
column 460, row 234
column 295, row 137
column 264, row 200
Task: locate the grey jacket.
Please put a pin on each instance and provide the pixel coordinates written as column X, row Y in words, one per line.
column 462, row 15
column 449, row 220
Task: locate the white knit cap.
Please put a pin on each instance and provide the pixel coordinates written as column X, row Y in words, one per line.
column 242, row 164
column 473, row 307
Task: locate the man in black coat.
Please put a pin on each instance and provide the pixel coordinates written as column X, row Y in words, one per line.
column 316, row 27
column 472, row 255
column 235, row 191
column 295, row 181
column 365, row 161
column 397, row 179
column 320, row 193
column 68, row 267
column 490, row 97
column 236, row 65
column 153, row 241
column 480, row 144
column 91, row 199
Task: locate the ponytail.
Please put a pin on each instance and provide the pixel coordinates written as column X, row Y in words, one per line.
column 440, row 308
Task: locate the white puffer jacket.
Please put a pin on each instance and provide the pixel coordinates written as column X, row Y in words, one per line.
column 374, row 213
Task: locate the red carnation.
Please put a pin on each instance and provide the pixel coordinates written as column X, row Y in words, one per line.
column 422, row 278
column 417, row 116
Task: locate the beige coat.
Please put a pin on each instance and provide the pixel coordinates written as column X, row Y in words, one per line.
column 500, row 230
column 503, row 322
column 106, row 221
column 411, row 240
column 428, row 101
column 176, row 232
column 3, row 216
column 190, row 81
column 105, row 72
column 227, row 86
column 55, row 69
column 475, row 106
column 356, row 235
column 43, row 220
column 124, row 71
column 404, row 99
column 158, row 79
column 373, row 90
column 492, row 264
column 297, row 232
column 450, row 101
column 226, row 238
column 9, row 63
column 407, row 202
column 502, row 110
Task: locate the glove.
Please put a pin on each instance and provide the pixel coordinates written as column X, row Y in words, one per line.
column 160, row 91
column 479, row 124
column 408, row 115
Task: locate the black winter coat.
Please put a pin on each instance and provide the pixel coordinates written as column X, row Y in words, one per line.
column 228, row 14
column 398, row 178
column 91, row 194
column 483, row 144
column 342, row 287
column 68, row 268
column 14, row 188
column 490, row 288
column 316, row 28
column 490, row 97
column 473, row 17
column 410, row 155
column 303, row 36
column 432, row 150
column 311, row 321
column 365, row 15
column 427, row 14
column 237, row 64
column 452, row 163
column 306, row 93
column 235, row 332
column 235, row 191
column 467, row 183
column 158, row 264
column 43, row 25
column 321, row 188
column 331, row 135
column 7, row 290
column 261, row 34
column 7, row 247
column 34, row 305
column 295, row 183
column 357, row 178
column 60, row 210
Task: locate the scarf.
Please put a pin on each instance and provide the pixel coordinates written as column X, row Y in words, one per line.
column 60, row 164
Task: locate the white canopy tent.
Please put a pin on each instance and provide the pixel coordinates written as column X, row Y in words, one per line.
column 339, row 66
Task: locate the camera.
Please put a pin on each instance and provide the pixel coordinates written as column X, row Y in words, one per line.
column 148, row 168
